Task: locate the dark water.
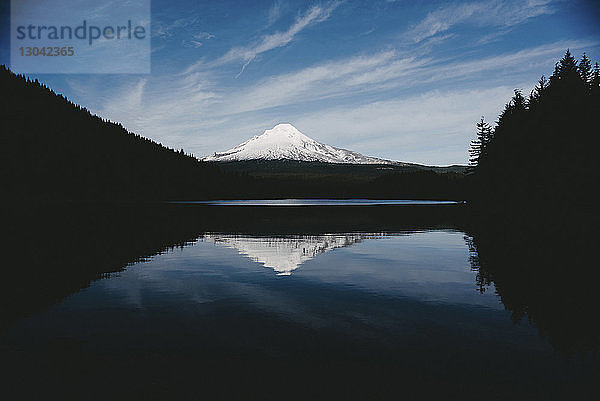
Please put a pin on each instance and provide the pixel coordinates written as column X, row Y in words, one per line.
column 303, row 302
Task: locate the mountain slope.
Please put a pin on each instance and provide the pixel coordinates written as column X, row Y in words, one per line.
column 285, row 142
column 53, row 149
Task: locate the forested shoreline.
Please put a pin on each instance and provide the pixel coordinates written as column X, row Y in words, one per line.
column 532, row 219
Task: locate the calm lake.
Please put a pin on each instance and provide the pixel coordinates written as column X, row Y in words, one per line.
column 230, row 301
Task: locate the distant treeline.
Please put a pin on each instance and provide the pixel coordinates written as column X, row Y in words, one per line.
column 297, row 179
column 53, row 149
column 543, row 149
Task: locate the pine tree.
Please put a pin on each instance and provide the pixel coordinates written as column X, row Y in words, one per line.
column 595, row 80
column 479, row 145
column 518, row 101
column 585, row 69
column 555, row 74
column 539, row 92
column 566, row 69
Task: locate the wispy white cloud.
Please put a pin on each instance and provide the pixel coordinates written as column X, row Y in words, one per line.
column 274, row 12
column 320, row 81
column 130, row 100
column 519, row 12
column 247, row 54
column 166, row 30
column 203, row 36
column 443, row 19
column 493, row 13
column 197, row 39
column 192, row 43
column 389, row 70
column 185, row 27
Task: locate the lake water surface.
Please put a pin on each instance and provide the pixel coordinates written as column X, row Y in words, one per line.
column 321, row 202
column 289, row 305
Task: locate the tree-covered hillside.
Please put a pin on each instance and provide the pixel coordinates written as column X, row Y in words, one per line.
column 53, row 149
column 543, row 149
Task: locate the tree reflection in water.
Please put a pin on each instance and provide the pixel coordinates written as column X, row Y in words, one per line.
column 543, row 271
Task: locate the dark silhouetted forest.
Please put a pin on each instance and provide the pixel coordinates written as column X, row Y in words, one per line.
column 533, row 222
column 543, row 148
column 53, row 149
column 299, row 179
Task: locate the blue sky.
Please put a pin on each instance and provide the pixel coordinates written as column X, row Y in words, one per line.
column 402, row 80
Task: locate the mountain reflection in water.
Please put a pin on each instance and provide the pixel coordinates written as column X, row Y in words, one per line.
column 287, row 253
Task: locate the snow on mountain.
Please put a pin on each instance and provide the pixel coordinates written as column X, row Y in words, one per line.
column 285, row 254
column 285, row 142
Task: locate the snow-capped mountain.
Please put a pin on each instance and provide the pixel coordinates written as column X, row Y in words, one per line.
column 285, row 142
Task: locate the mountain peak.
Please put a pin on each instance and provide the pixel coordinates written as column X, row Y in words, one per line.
column 283, row 132
column 286, row 142
column 283, row 128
